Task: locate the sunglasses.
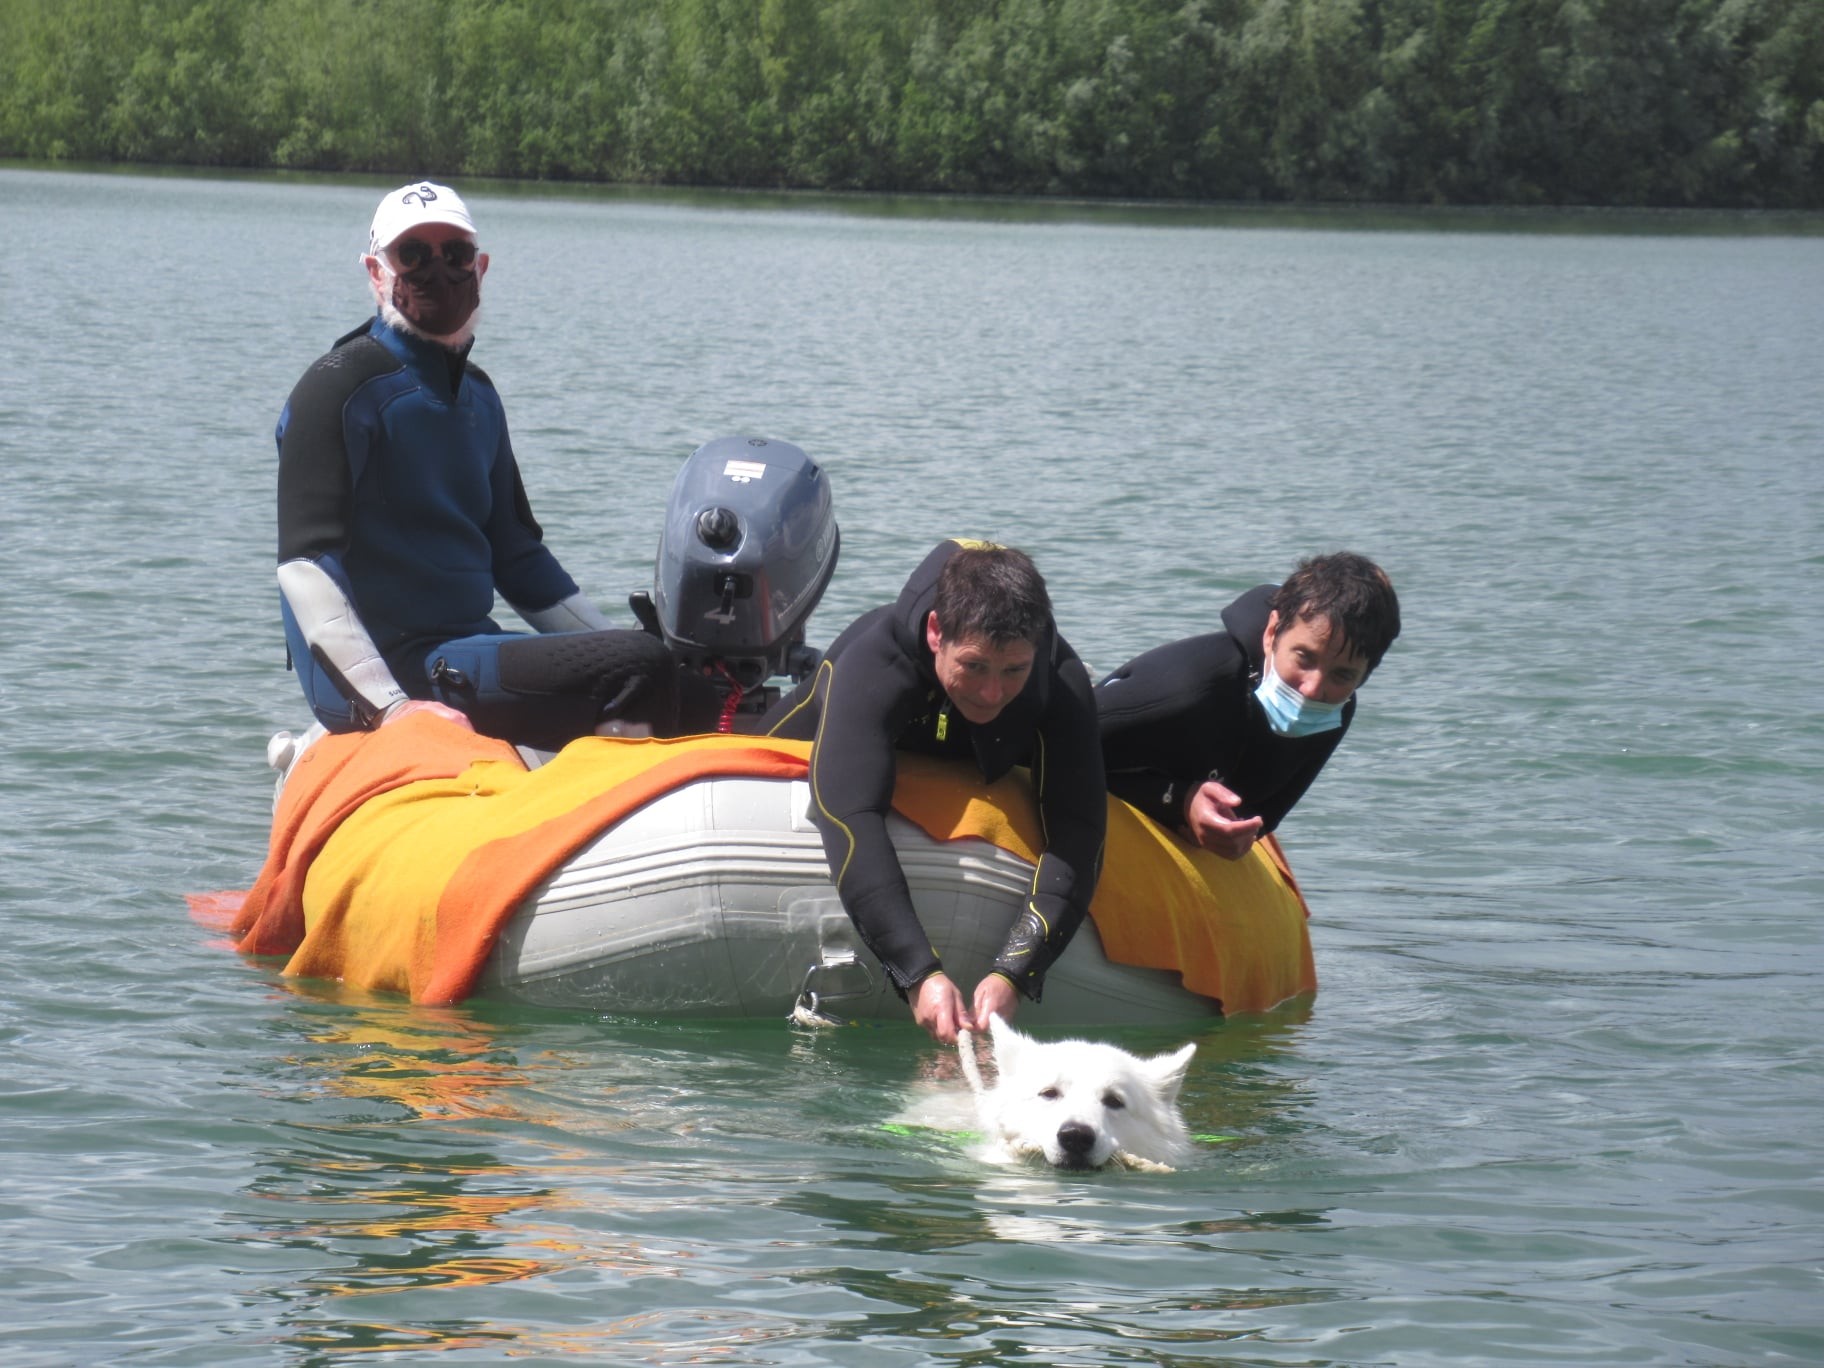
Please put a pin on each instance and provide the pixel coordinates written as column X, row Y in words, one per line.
column 414, row 254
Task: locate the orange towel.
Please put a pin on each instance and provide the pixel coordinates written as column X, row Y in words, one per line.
column 411, row 893
column 332, row 781
column 397, row 857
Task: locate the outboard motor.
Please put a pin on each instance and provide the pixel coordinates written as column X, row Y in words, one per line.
column 749, row 545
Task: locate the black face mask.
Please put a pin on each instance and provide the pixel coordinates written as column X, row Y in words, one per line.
column 437, row 297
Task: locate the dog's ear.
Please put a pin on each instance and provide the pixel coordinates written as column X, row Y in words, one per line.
column 1007, row 1042
column 1167, row 1071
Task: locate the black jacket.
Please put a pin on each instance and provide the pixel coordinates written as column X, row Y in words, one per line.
column 876, row 693
column 1186, row 712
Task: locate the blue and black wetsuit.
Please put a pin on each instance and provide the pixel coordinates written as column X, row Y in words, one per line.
column 1185, row 712
column 875, row 693
column 401, row 512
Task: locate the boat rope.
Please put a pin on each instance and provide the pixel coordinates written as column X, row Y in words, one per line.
column 965, row 1049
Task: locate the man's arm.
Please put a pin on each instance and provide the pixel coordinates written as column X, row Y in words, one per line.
column 573, row 614
column 315, row 511
column 1305, row 759
column 526, row 572
column 1072, row 795
column 1168, row 719
column 337, row 640
column 1212, row 817
column 861, row 696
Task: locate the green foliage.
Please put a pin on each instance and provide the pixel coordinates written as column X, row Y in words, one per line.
column 1492, row 101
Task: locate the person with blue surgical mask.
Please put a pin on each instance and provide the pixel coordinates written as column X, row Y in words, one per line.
column 1218, row 736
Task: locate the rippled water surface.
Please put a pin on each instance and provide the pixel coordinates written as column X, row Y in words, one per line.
column 1559, row 1097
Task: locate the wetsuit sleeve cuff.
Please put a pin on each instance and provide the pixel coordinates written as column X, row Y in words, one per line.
column 1030, row 984
column 573, row 614
column 906, row 984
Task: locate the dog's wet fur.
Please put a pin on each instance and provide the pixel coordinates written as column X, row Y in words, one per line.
column 1079, row 1104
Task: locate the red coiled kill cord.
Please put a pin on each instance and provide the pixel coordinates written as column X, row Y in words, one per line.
column 726, row 723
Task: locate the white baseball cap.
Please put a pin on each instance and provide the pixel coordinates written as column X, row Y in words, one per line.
column 413, row 206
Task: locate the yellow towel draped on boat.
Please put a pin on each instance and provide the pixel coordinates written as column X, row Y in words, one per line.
column 1233, row 930
column 397, row 857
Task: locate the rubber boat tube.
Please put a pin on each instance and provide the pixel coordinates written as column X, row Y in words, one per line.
column 715, row 901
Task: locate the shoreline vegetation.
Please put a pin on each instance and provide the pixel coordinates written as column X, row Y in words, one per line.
column 1600, row 103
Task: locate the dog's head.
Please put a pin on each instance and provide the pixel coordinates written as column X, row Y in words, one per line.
column 1083, row 1105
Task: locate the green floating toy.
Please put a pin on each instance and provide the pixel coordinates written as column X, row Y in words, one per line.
column 964, row 1137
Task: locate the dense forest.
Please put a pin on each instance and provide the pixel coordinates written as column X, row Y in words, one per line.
column 1601, row 102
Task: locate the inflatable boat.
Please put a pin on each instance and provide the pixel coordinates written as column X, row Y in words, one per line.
column 683, row 877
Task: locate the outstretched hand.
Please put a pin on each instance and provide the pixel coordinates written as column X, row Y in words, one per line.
column 994, row 996
column 940, row 1009
column 1210, row 818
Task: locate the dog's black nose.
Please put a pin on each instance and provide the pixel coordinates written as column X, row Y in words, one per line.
column 1075, row 1138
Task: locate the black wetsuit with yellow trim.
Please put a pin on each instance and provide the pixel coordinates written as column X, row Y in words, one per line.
column 876, row 692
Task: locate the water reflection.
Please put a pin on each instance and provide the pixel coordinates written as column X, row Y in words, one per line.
column 540, row 1157
column 430, row 1061
column 558, row 1172
column 389, row 1187
column 1089, row 1271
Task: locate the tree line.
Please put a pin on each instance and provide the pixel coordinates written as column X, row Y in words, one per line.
column 1600, row 102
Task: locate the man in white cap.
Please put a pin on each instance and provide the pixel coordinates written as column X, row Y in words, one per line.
column 402, row 513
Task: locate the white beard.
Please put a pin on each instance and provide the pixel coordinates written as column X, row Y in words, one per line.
column 455, row 341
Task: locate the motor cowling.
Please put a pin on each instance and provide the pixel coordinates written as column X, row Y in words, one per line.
column 749, row 544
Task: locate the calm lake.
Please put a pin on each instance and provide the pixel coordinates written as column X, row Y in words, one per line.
column 1560, row 1098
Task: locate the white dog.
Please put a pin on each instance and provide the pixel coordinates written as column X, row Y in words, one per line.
column 1082, row 1105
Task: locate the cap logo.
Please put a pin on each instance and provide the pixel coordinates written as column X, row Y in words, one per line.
column 413, row 205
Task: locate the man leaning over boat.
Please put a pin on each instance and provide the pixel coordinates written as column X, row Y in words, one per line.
column 968, row 664
column 1218, row 736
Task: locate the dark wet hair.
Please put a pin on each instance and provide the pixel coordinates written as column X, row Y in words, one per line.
column 1352, row 592
column 991, row 592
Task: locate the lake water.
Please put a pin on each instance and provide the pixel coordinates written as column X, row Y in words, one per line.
column 1559, row 1098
